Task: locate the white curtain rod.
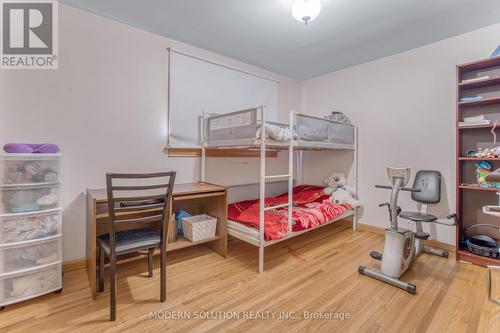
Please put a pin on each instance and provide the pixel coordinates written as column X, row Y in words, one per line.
column 169, row 49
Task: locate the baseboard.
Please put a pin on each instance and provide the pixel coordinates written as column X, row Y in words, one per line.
column 381, row 231
column 441, row 245
column 74, row 265
column 371, row 228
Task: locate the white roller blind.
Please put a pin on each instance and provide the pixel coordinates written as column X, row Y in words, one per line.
column 198, row 86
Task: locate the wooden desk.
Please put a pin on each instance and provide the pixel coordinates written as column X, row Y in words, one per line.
column 196, row 198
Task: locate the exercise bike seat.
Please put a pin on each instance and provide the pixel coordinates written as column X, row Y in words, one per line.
column 418, row 217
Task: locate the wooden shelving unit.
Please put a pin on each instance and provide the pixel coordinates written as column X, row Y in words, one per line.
column 470, row 197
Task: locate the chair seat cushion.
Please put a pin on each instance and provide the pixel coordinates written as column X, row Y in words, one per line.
column 130, row 240
column 416, row 216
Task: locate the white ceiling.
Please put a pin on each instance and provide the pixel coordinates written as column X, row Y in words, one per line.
column 263, row 32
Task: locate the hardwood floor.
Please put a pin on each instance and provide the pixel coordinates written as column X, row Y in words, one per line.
column 316, row 272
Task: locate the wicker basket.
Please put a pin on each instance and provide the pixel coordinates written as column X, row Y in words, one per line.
column 482, row 250
column 199, row 227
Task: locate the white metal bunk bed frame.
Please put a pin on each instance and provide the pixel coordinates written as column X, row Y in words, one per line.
column 261, row 143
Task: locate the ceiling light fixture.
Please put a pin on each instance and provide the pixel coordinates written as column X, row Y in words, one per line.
column 306, row 10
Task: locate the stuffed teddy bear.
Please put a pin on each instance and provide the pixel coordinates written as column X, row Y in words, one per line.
column 340, row 193
column 343, row 197
column 337, row 180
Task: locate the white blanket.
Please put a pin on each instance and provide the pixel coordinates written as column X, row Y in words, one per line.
column 276, row 132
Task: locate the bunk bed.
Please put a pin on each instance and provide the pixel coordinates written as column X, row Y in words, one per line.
column 243, row 129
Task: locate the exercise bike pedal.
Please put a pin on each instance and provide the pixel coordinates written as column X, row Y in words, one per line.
column 376, row 255
column 422, row 235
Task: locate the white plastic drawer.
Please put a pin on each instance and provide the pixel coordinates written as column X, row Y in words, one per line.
column 30, row 168
column 21, row 199
column 20, row 287
column 29, row 226
column 29, row 255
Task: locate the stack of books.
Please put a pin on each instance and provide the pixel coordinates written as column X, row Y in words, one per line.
column 470, row 99
column 476, row 79
column 475, row 121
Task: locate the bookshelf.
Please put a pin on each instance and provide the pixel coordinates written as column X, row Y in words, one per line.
column 470, row 198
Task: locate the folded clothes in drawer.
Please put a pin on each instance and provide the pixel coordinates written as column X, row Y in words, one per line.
column 20, row 199
column 29, row 168
column 28, row 285
column 22, row 257
column 28, row 227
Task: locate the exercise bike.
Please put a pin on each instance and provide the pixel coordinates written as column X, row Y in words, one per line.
column 401, row 245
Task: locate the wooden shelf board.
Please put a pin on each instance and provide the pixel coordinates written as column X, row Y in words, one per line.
column 481, row 83
column 213, row 152
column 479, row 159
column 488, row 126
column 183, row 242
column 480, row 64
column 483, row 101
column 465, row 255
column 478, row 188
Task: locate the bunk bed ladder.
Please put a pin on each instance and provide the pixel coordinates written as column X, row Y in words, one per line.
column 204, row 138
column 355, row 216
column 264, row 177
column 262, row 190
column 290, row 170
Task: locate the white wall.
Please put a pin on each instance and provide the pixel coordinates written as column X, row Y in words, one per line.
column 106, row 107
column 404, row 106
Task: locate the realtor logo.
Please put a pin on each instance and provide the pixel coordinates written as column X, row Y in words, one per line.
column 29, row 34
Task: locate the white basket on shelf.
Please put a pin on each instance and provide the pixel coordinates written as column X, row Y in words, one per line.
column 199, row 227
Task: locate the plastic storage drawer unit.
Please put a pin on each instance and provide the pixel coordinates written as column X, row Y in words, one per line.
column 21, row 227
column 30, row 254
column 22, row 286
column 28, row 198
column 30, row 226
column 30, row 168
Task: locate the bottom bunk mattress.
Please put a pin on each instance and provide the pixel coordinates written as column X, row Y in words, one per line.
column 311, row 208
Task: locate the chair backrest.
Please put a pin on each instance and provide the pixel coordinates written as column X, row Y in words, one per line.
column 429, row 184
column 139, row 198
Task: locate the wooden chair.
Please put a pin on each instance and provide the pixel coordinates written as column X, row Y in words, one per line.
column 136, row 206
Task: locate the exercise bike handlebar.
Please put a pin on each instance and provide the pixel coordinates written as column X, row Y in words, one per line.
column 409, row 189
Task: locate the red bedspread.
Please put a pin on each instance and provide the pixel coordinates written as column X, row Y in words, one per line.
column 311, row 208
